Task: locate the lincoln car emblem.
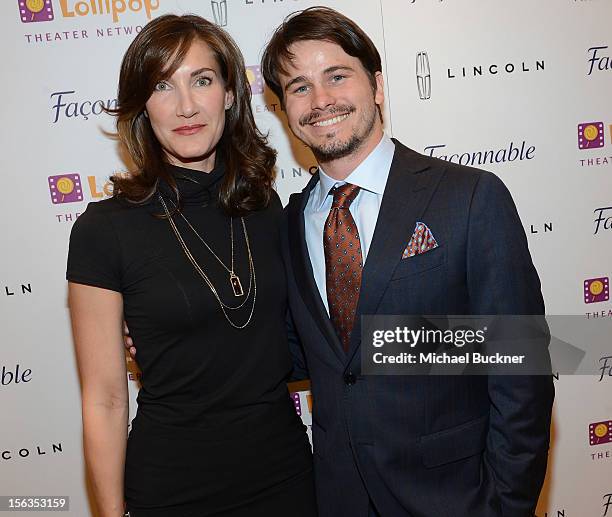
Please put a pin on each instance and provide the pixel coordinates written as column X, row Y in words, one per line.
column 219, row 9
column 423, row 76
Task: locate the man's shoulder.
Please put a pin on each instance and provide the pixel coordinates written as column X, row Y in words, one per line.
column 454, row 174
column 297, row 198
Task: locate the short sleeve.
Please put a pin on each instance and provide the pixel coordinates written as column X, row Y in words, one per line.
column 276, row 204
column 94, row 255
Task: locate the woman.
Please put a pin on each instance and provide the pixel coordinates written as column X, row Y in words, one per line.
column 187, row 251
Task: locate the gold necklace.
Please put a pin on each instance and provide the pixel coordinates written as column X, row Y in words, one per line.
column 234, row 280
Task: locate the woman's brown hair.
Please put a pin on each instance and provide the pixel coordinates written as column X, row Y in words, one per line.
column 154, row 55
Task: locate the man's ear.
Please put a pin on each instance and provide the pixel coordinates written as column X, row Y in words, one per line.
column 379, row 94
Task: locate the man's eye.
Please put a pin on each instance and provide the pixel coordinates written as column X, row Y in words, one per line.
column 338, row 78
column 300, row 89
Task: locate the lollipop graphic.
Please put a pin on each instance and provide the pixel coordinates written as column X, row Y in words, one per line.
column 35, row 10
column 597, row 290
column 296, row 401
column 255, row 79
column 65, row 188
column 35, row 6
column 590, row 135
column 600, row 432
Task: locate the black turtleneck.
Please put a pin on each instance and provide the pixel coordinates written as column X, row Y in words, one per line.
column 211, row 395
column 195, row 187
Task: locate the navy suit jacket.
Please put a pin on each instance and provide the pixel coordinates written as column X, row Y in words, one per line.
column 424, row 446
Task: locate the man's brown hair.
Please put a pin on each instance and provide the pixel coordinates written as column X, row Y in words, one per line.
column 323, row 24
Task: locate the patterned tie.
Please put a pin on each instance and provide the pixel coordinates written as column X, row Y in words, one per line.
column 343, row 262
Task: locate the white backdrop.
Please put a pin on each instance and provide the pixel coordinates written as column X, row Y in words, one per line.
column 518, row 82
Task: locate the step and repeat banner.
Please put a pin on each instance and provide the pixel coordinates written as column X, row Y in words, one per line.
column 520, row 88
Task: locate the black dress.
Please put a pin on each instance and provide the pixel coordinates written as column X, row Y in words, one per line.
column 215, row 431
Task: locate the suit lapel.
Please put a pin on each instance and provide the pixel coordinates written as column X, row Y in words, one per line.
column 407, row 193
column 302, row 268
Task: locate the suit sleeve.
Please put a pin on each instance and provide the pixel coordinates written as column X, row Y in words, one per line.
column 298, row 358
column 502, row 280
column 300, row 369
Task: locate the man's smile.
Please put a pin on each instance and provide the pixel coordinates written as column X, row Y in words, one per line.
column 330, row 121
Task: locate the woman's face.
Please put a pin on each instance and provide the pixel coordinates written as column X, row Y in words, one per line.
column 187, row 111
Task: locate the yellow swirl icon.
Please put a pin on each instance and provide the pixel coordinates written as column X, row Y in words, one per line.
column 591, row 132
column 250, row 76
column 35, row 6
column 601, row 430
column 596, row 287
column 65, row 185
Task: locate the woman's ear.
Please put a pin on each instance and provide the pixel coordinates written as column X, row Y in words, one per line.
column 229, row 99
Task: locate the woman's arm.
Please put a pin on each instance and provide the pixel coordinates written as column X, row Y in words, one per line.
column 97, row 318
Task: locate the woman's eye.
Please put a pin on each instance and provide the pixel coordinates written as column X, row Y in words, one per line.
column 203, row 81
column 161, row 86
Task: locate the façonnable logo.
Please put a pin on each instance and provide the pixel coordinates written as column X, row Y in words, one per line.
column 42, row 10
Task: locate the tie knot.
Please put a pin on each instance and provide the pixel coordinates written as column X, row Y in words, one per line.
column 344, row 195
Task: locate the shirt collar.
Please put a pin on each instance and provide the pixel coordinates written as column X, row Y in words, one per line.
column 371, row 174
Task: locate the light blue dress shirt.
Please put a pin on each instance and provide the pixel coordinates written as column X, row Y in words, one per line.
column 371, row 175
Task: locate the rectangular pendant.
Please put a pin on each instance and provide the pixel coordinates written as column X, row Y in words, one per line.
column 236, row 285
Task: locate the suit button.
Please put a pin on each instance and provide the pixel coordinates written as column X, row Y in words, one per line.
column 350, row 379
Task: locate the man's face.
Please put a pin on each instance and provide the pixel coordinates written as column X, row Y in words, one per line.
column 329, row 100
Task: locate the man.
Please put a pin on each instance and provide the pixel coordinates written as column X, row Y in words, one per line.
column 393, row 446
column 436, row 446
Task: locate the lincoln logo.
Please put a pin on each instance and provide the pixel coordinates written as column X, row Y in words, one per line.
column 37, row 450
column 219, row 9
column 423, row 76
column 494, row 69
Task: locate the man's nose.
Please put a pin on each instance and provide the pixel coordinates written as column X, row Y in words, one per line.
column 321, row 98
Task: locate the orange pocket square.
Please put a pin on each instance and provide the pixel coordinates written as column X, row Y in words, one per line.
column 422, row 240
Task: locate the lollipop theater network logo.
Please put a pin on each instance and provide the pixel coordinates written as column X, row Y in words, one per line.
column 590, row 135
column 255, row 79
column 35, row 10
column 65, row 188
column 600, row 432
column 597, row 290
column 68, row 188
column 42, row 10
